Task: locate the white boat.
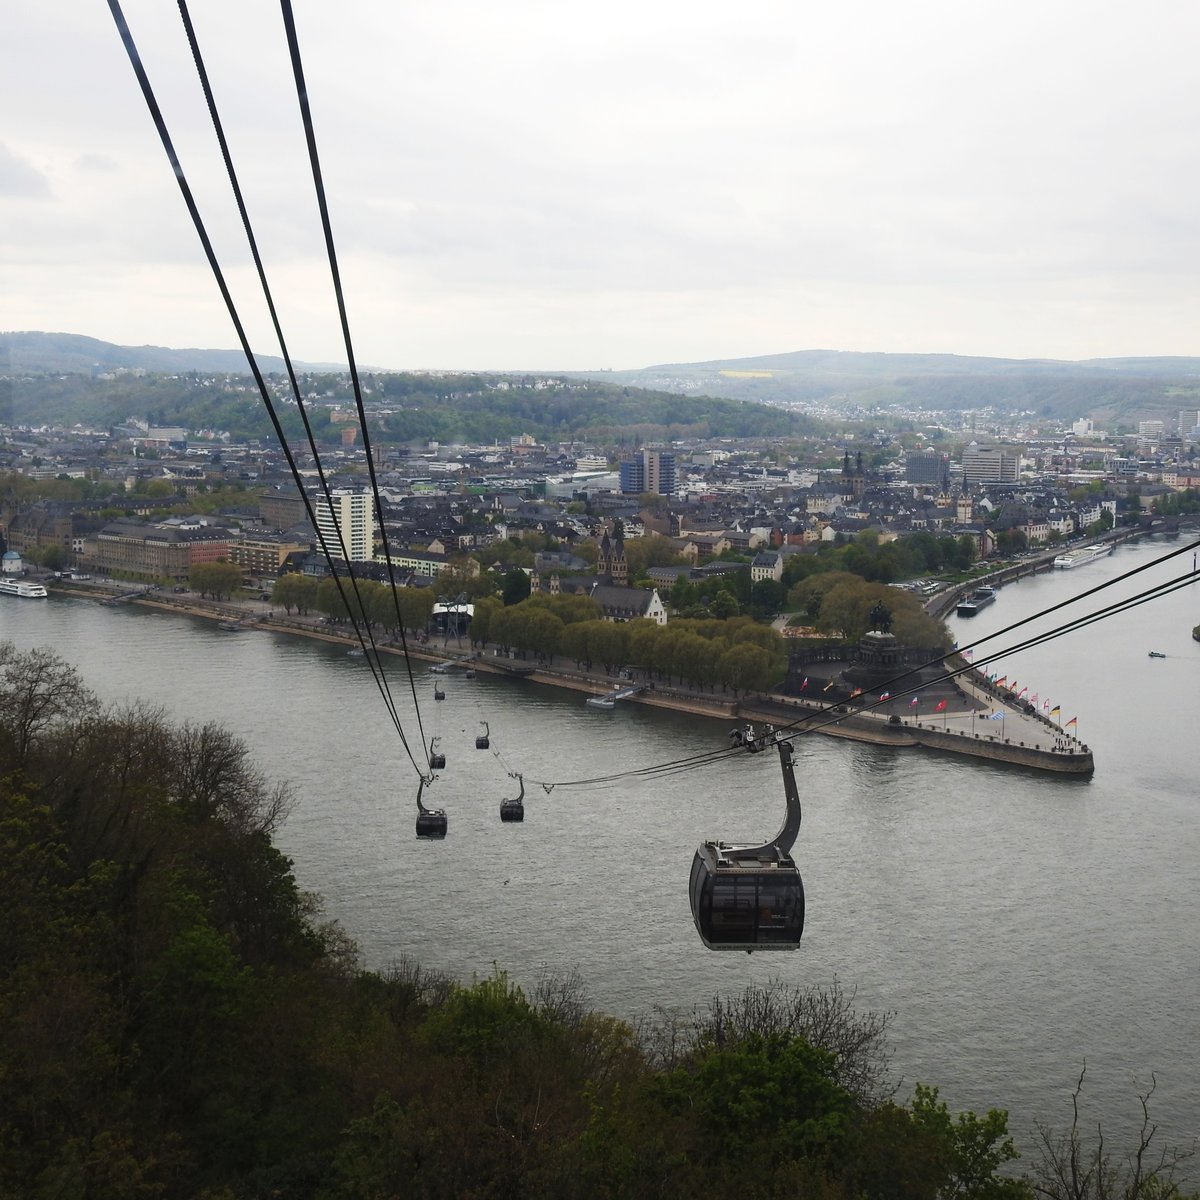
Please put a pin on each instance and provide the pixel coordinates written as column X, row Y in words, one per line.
column 605, row 702
column 24, row 588
column 1082, row 556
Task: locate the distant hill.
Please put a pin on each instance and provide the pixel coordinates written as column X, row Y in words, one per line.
column 1119, row 391
column 1109, row 389
column 70, row 353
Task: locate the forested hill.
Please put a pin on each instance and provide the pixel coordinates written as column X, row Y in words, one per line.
column 1108, row 389
column 175, row 1022
column 1116, row 391
column 36, row 353
column 401, row 407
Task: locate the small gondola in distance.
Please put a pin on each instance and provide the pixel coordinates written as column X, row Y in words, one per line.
column 514, row 809
column 437, row 760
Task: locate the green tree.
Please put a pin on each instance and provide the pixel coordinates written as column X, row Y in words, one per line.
column 515, row 587
column 294, row 591
column 216, row 579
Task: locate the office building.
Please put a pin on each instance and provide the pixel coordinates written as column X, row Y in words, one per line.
column 990, row 464
column 648, row 471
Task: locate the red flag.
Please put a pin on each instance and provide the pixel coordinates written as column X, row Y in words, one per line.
column 885, row 696
column 1070, row 723
column 804, row 684
column 915, row 700
column 940, row 705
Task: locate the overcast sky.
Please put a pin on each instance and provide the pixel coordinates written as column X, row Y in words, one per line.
column 521, row 184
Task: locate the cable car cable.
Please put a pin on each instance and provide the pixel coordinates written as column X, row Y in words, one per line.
column 374, row 660
column 218, row 274
column 335, row 273
column 810, row 722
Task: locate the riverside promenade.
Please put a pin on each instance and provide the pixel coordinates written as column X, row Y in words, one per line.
column 964, row 725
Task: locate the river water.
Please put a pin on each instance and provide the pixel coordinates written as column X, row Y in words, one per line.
column 1017, row 924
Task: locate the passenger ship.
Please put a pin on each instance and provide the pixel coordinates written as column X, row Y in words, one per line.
column 22, row 587
column 1079, row 558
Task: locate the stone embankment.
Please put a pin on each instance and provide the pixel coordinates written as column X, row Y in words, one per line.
column 1027, row 742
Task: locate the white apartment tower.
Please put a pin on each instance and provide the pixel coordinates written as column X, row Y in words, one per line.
column 991, row 464
column 353, row 512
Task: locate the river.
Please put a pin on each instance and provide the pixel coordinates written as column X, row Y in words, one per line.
column 1017, row 924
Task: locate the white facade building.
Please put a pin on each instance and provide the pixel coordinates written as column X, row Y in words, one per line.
column 990, row 464
column 353, row 512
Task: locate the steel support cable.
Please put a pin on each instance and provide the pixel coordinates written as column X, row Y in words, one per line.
column 374, row 661
column 335, row 272
column 813, row 722
column 818, row 719
column 156, row 115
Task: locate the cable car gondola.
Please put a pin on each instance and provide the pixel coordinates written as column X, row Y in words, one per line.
column 482, row 740
column 437, row 760
column 752, row 897
column 431, row 822
column 514, row 810
column 438, row 694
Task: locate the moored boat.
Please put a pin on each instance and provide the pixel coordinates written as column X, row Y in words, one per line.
column 26, row 589
column 978, row 599
column 1082, row 556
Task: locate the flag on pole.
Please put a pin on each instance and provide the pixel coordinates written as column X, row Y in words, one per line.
column 1033, row 699
column 1001, row 681
column 1046, row 704
column 967, row 654
column 1022, row 692
column 1070, row 722
column 885, row 695
column 804, row 684
column 856, row 692
column 1056, row 711
column 1012, row 687
column 915, row 701
column 940, row 705
column 828, row 686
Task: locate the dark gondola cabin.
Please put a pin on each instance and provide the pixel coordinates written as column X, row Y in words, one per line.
column 746, row 903
column 483, row 740
column 751, row 897
column 514, row 809
column 431, row 822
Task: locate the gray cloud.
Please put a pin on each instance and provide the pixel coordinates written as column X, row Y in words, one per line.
column 19, row 177
column 536, row 183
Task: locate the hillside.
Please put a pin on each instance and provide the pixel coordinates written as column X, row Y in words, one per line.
column 32, row 353
column 1112, row 389
column 1117, row 391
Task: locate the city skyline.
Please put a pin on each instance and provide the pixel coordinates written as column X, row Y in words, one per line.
column 541, row 189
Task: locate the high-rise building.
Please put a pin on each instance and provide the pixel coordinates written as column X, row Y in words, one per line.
column 353, row 512
column 1189, row 422
column 930, row 467
column 990, row 464
column 648, row 471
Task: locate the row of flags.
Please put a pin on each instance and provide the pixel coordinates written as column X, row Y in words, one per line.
column 998, row 681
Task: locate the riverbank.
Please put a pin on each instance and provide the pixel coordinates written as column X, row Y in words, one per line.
column 1022, row 741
